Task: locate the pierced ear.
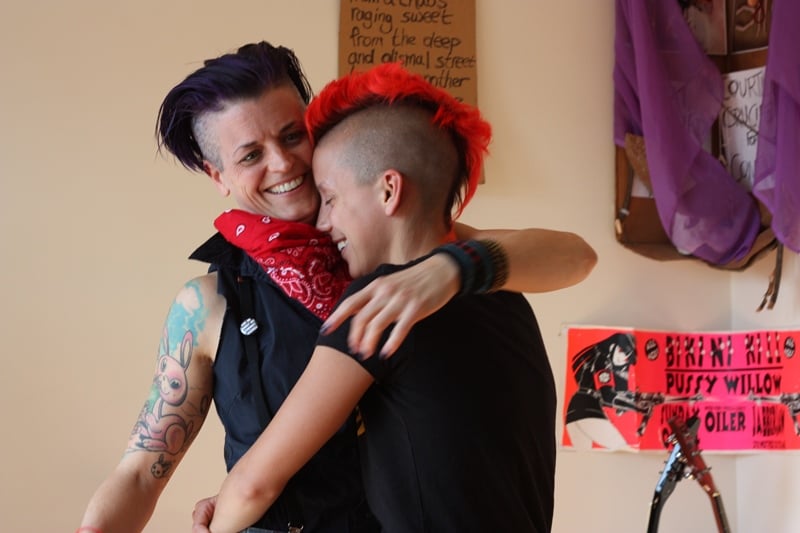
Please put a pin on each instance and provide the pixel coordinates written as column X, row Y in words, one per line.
column 391, row 190
column 216, row 176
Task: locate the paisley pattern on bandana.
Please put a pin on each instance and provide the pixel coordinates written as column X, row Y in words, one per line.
column 300, row 259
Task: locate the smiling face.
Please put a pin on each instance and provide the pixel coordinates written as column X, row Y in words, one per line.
column 263, row 155
column 352, row 212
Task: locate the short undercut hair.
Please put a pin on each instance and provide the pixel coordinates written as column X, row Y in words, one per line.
column 233, row 77
column 401, row 137
column 390, row 85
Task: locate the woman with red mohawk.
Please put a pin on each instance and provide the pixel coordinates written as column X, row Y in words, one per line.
column 459, row 423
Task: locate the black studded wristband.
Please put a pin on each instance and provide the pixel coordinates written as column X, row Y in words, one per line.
column 483, row 265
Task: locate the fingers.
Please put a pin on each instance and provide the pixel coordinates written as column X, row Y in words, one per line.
column 402, row 298
column 362, row 324
column 349, row 306
column 373, row 320
column 396, row 338
column 202, row 514
column 374, row 309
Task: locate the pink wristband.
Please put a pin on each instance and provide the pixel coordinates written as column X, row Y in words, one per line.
column 88, row 529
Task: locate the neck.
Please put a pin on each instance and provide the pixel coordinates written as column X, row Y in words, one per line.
column 411, row 241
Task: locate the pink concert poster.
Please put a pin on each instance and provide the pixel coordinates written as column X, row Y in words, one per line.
column 623, row 385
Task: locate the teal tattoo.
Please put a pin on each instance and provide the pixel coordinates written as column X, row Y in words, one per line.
column 172, row 432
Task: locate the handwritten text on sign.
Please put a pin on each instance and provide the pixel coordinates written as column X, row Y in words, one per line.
column 434, row 38
column 739, row 120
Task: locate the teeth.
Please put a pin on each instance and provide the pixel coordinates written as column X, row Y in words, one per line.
column 286, row 187
column 341, row 244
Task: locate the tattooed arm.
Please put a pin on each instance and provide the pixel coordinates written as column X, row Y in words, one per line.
column 176, row 407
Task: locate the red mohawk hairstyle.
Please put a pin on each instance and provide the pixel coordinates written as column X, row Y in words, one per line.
column 390, row 83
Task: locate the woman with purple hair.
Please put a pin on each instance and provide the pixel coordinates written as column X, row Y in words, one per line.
column 242, row 334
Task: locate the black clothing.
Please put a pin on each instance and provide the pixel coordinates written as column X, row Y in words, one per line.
column 460, row 423
column 327, row 494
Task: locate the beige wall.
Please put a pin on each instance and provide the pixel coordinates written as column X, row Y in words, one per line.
column 95, row 228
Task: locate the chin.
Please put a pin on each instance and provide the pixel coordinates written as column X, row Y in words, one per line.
column 306, row 214
column 355, row 272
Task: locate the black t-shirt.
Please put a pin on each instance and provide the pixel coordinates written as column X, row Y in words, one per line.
column 460, row 423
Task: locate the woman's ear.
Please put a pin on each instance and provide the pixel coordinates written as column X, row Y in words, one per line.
column 216, row 176
column 391, row 190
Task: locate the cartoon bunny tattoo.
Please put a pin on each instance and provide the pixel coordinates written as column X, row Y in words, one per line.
column 167, row 432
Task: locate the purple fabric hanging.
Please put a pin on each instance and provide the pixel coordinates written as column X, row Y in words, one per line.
column 669, row 91
column 777, row 175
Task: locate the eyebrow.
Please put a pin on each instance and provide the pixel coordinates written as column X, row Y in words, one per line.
column 245, row 146
column 251, row 144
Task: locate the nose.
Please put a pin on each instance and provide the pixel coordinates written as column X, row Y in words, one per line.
column 323, row 218
column 278, row 159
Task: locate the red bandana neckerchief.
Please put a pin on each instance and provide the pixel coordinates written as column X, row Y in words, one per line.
column 300, row 259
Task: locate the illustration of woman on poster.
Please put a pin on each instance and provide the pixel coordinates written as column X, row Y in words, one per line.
column 601, row 372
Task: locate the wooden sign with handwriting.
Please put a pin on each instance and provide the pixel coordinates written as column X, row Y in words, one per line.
column 435, row 38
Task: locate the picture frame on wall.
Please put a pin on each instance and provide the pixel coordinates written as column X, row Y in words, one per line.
column 732, row 138
column 708, row 21
column 749, row 23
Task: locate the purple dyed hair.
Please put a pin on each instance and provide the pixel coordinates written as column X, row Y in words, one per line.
column 245, row 74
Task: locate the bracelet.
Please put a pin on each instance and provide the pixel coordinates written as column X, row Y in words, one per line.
column 497, row 265
column 89, row 529
column 483, row 265
column 466, row 265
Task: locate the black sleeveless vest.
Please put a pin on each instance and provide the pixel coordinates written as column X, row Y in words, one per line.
column 327, row 494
